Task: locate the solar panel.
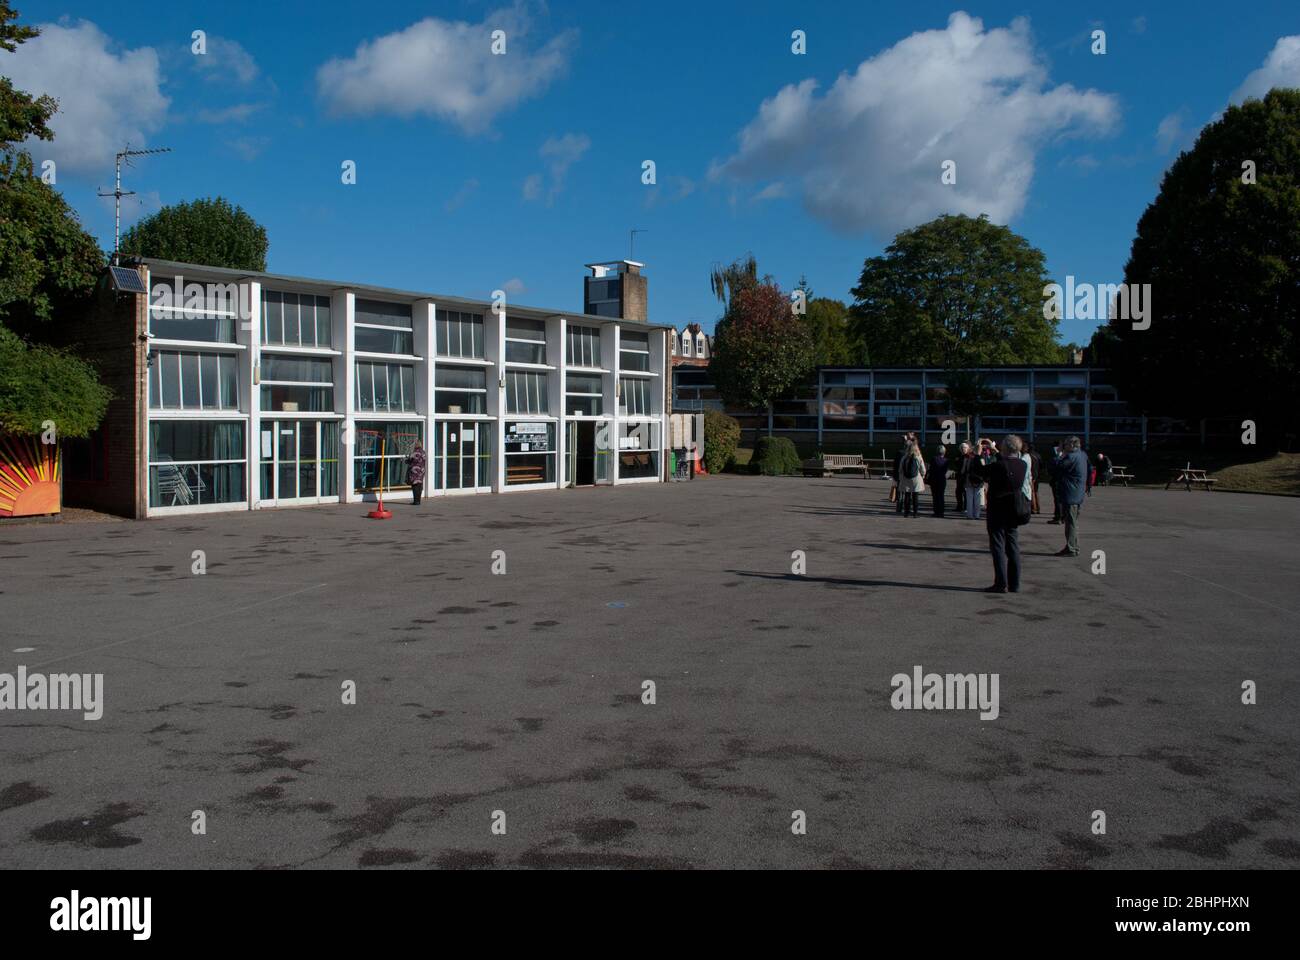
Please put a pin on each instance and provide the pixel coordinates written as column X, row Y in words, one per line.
column 126, row 280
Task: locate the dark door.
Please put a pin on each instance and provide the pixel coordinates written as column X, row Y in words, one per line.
column 585, row 475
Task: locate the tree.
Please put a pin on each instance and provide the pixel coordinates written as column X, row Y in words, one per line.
column 1220, row 247
column 40, row 383
column 969, row 395
column 760, row 350
column 741, row 274
column 826, row 325
column 48, row 263
column 48, row 266
column 21, row 114
column 209, row 232
column 955, row 292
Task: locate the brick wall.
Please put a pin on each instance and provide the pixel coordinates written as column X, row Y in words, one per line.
column 107, row 335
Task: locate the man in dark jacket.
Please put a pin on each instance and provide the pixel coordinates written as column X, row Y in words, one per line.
column 937, row 477
column 1072, row 486
column 1005, row 476
column 898, row 472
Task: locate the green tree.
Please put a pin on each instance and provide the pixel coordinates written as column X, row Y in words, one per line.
column 955, row 292
column 21, row 114
column 760, row 348
column 40, row 383
column 1222, row 256
column 209, row 232
column 969, row 396
column 48, row 267
column 740, row 274
column 826, row 323
column 48, row 263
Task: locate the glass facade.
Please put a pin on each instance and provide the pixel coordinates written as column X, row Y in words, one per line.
column 381, row 452
column 184, row 380
column 385, row 387
column 295, row 320
column 525, row 341
column 526, row 392
column 460, row 390
column 459, row 335
column 584, row 347
column 196, row 462
column 383, row 327
column 530, row 452
column 1031, row 401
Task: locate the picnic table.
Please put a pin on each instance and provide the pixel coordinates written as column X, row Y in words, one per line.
column 1188, row 476
column 1121, row 474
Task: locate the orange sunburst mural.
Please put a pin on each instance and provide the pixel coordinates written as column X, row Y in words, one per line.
column 29, row 477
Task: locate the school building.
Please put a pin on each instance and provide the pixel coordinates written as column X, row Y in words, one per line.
column 236, row 390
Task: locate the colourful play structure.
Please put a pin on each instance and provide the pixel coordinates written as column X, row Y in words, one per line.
column 29, row 477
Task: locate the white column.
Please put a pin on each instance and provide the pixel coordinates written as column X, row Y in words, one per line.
column 423, row 313
column 609, row 337
column 494, row 347
column 556, row 354
column 249, row 333
column 343, row 304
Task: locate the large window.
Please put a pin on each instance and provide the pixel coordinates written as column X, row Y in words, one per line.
column 297, row 384
column 460, row 335
column 460, row 390
column 638, row 451
column 525, row 341
column 381, row 452
column 633, row 350
column 583, row 395
column 526, row 392
column 206, row 312
column 295, row 319
column 193, row 462
column 193, row 381
column 634, row 397
column 530, row 453
column 385, row 387
column 584, row 347
column 383, row 327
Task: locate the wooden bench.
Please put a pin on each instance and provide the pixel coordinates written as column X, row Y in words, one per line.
column 1121, row 474
column 524, row 474
column 1187, row 476
column 831, row 463
column 883, row 464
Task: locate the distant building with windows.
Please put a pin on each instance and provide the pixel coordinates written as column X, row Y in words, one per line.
column 843, row 406
column 239, row 390
column 690, row 345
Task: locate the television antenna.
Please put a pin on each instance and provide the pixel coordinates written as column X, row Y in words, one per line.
column 118, row 193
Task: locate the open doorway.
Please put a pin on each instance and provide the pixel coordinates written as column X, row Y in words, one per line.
column 584, row 473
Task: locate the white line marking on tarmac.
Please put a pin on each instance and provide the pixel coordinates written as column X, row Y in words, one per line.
column 188, row 623
column 1211, row 583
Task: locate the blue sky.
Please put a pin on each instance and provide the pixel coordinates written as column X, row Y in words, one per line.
column 477, row 171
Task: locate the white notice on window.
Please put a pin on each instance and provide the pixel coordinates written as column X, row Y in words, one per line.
column 266, row 444
column 524, row 447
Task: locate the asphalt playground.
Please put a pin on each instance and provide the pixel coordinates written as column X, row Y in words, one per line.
column 516, row 698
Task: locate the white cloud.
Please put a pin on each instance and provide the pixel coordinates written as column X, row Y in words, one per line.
column 445, row 69
column 514, row 286
column 773, row 191
column 237, row 113
column 250, row 148
column 106, row 98
column 462, row 196
column 868, row 154
column 1171, row 132
column 560, row 153
column 226, row 60
column 1281, row 69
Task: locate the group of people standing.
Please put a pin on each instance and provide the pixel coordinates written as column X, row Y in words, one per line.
column 1002, row 482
